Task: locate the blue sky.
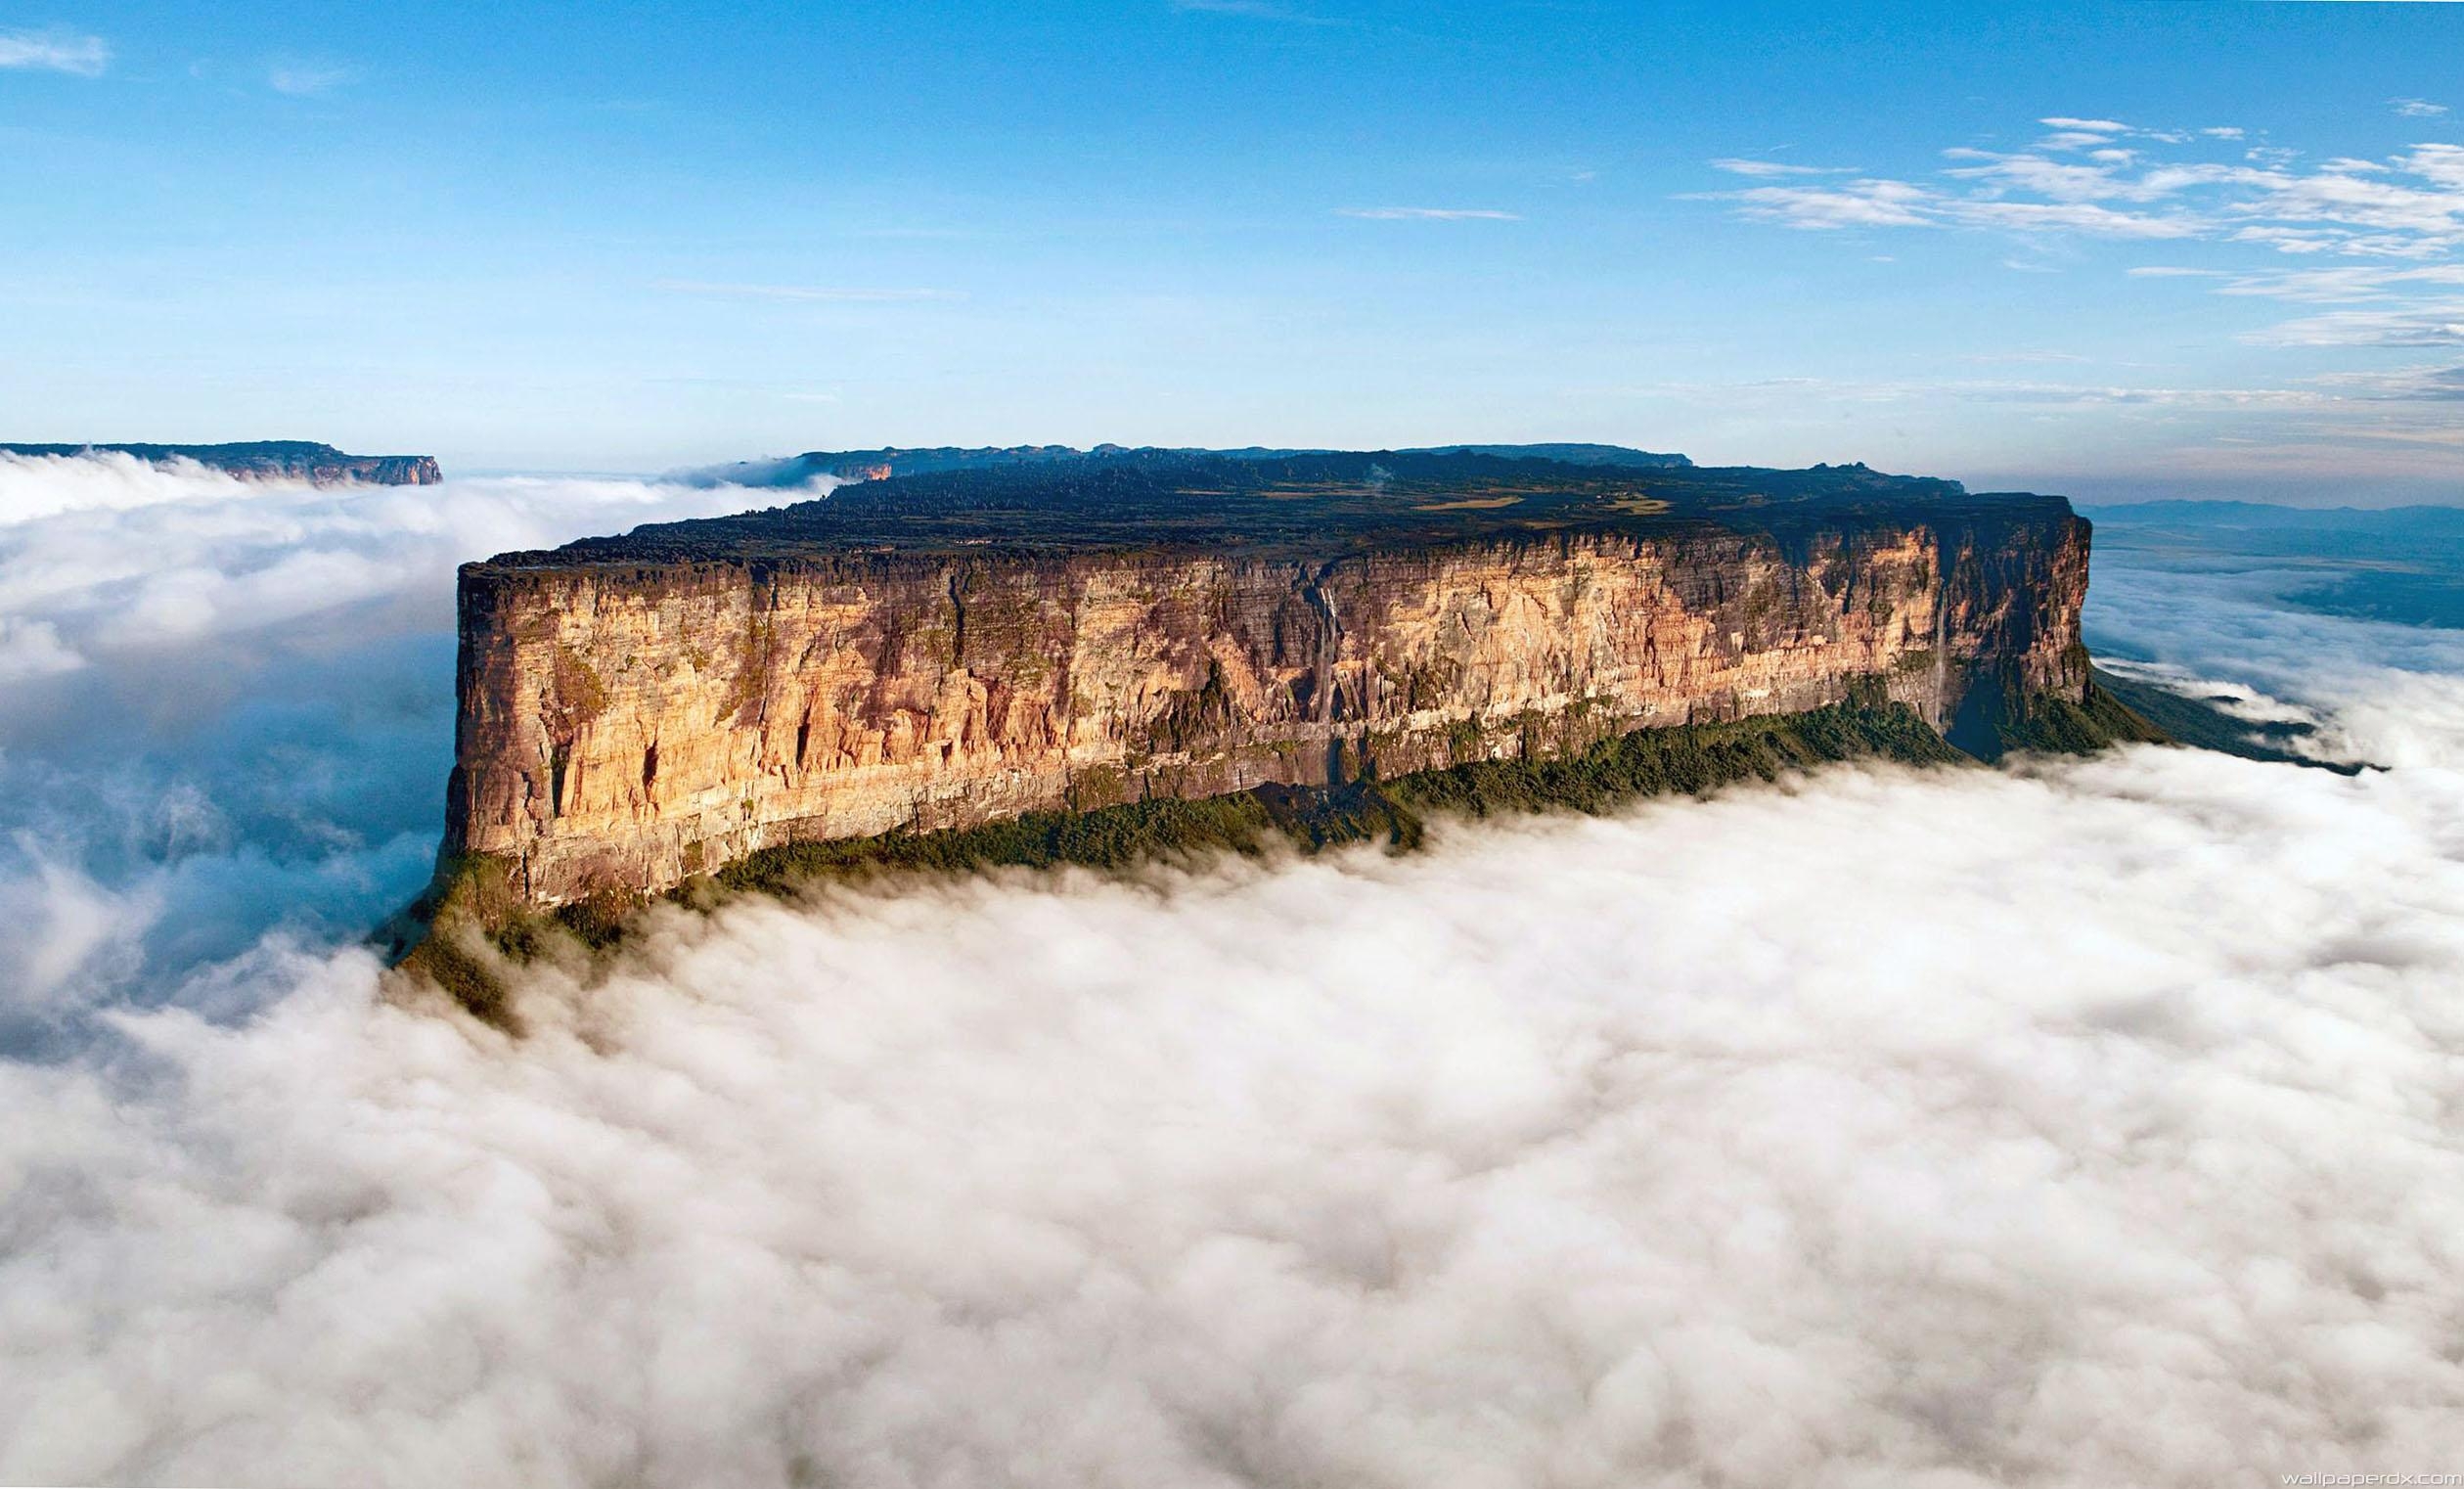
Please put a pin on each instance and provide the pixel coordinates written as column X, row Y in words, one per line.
column 573, row 237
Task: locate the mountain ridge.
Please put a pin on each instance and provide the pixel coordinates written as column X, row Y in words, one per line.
column 265, row 460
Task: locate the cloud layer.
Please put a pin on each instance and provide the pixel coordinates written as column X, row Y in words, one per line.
column 2088, row 1122
column 2084, row 1125
column 227, row 708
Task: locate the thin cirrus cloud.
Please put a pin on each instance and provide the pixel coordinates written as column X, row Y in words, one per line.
column 2416, row 108
column 1252, row 10
column 2382, row 234
column 307, row 79
column 849, row 294
column 2431, row 384
column 1736, row 166
column 55, row 51
column 2435, row 323
column 2078, row 181
column 1429, row 214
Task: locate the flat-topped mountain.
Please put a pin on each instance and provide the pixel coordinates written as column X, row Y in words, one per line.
column 269, row 460
column 891, row 461
column 956, row 647
column 1276, row 504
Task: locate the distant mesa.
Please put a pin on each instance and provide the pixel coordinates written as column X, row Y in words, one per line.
column 1567, row 453
column 268, row 460
column 891, row 461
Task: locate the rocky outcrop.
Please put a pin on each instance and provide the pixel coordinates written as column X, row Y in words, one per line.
column 639, row 712
column 269, row 460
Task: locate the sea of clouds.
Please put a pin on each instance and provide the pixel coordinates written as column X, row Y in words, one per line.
column 2081, row 1122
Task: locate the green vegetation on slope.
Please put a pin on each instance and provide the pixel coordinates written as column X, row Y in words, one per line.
column 2050, row 724
column 2201, row 724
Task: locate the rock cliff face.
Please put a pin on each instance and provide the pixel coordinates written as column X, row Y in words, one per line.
column 636, row 711
column 270, row 459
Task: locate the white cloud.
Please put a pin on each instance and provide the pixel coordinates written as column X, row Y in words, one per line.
column 2341, row 282
column 2069, row 217
column 2431, row 384
column 55, row 52
column 1855, row 204
column 2442, row 165
column 179, row 650
column 2381, row 692
column 2383, row 232
column 33, row 649
column 1429, row 214
column 1744, row 167
column 2433, row 324
column 2416, row 109
column 106, row 550
column 306, row 79
column 1692, row 1156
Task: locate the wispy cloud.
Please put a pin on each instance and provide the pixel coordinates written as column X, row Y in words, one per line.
column 2433, row 384
column 2341, row 282
column 1255, row 10
column 2435, row 323
column 2416, row 108
column 1739, row 166
column 55, row 51
column 2410, row 206
column 823, row 293
column 306, row 79
column 1429, row 214
column 1825, row 208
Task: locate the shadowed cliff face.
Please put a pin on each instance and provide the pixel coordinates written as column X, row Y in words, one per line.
column 633, row 724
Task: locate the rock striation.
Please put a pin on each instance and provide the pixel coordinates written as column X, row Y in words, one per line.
column 269, row 460
column 950, row 649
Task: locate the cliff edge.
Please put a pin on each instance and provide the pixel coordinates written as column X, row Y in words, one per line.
column 269, row 460
column 964, row 646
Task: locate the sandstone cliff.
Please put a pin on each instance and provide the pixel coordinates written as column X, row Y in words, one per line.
column 270, row 459
column 950, row 652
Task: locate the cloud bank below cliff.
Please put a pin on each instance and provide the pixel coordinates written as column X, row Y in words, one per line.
column 227, row 708
column 2380, row 692
column 2090, row 1124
